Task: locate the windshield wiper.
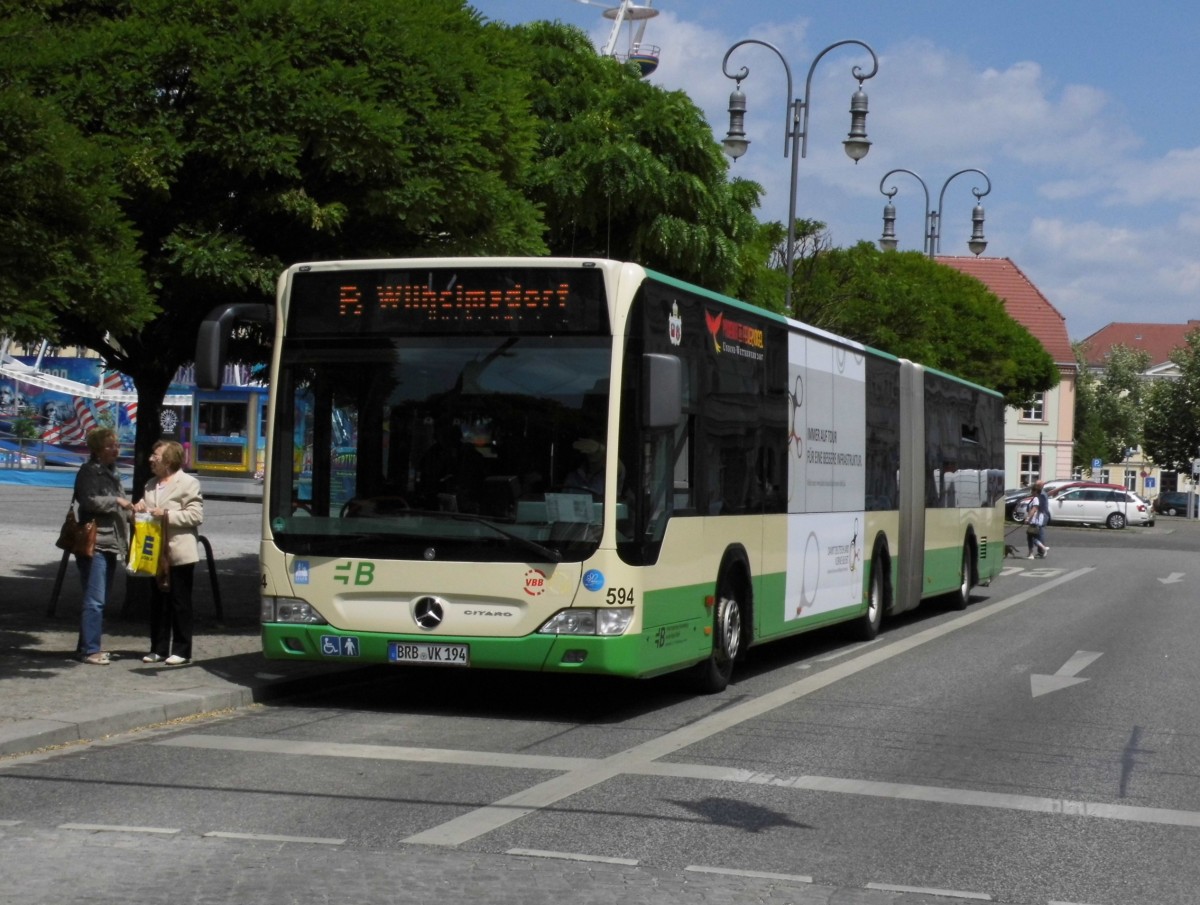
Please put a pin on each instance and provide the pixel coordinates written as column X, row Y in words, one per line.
column 527, row 543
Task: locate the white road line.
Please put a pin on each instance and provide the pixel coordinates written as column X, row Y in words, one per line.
column 476, row 823
column 758, row 874
column 111, row 828
column 853, row 649
column 950, row 893
column 702, row 772
column 571, row 856
column 1006, row 801
column 578, row 774
column 380, row 752
column 10, row 822
column 264, row 837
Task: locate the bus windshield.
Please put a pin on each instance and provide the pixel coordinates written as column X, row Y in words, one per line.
column 480, row 448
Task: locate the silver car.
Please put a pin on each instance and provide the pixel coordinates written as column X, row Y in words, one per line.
column 1100, row 506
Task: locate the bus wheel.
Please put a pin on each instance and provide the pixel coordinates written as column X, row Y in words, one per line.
column 868, row 624
column 713, row 674
column 962, row 596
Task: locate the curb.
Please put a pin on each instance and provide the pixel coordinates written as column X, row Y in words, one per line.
column 87, row 724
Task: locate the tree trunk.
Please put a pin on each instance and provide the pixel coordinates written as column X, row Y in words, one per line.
column 152, row 389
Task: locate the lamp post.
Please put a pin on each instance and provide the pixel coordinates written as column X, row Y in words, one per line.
column 933, row 218
column 795, row 143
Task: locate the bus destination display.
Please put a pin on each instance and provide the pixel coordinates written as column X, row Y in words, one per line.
column 519, row 300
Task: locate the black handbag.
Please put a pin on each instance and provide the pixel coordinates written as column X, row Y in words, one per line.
column 76, row 537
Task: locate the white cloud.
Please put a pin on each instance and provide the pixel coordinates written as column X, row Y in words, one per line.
column 1105, row 226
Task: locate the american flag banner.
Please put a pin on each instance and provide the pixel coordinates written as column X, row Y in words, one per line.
column 118, row 382
column 74, row 431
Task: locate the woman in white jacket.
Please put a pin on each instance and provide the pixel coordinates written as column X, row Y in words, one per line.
column 173, row 495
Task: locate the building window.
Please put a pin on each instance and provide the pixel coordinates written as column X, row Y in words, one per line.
column 1131, row 478
column 1036, row 410
column 1031, row 469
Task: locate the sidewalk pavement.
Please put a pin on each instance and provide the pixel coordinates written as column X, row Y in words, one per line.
column 49, row 698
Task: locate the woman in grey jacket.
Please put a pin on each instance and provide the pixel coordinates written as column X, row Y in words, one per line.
column 101, row 497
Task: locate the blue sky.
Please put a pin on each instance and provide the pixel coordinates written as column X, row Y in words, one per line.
column 1083, row 115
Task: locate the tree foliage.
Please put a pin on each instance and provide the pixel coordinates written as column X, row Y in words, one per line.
column 65, row 247
column 911, row 307
column 1171, row 429
column 627, row 170
column 163, row 157
column 237, row 136
column 1109, row 406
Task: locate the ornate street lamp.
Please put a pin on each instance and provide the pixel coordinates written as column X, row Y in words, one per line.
column 933, row 240
column 795, row 142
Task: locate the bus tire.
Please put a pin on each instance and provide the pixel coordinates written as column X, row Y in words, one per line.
column 966, row 580
column 713, row 675
column 868, row 623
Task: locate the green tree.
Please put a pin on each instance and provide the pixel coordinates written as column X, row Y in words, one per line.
column 1090, row 442
column 1172, row 413
column 909, row 306
column 244, row 135
column 630, row 171
column 1109, row 406
column 65, row 247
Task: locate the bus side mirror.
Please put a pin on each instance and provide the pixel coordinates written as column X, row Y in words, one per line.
column 662, row 390
column 212, row 341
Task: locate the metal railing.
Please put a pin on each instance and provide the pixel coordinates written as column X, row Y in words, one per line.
column 212, row 577
column 18, row 452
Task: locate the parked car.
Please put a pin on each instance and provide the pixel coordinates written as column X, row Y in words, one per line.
column 1012, row 498
column 1091, row 505
column 1054, row 488
column 1171, row 502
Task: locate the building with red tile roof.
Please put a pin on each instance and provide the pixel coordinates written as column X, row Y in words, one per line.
column 1039, row 439
column 1158, row 340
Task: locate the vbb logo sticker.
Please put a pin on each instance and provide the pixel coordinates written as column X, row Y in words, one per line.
column 535, row 582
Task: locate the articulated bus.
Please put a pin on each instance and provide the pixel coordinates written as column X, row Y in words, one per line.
column 574, row 465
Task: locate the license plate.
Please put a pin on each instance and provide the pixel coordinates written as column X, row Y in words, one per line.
column 435, row 654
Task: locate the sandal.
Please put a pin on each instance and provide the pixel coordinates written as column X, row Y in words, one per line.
column 97, row 659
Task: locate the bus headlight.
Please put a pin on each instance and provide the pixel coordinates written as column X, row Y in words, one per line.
column 587, row 621
column 289, row 609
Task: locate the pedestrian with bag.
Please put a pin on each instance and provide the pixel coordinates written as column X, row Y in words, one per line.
column 1036, row 517
column 173, row 496
column 101, row 499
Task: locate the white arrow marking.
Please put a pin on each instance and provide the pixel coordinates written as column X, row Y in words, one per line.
column 1173, row 578
column 1065, row 677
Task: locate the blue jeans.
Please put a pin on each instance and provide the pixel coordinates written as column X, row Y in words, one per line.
column 97, row 575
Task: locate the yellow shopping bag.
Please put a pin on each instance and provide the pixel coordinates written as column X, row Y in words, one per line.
column 146, row 548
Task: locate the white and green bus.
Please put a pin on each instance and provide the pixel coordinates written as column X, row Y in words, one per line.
column 576, row 465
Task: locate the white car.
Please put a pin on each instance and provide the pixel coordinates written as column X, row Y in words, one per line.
column 1100, row 506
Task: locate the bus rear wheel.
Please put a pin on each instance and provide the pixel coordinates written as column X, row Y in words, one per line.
column 713, row 675
column 962, row 596
column 869, row 622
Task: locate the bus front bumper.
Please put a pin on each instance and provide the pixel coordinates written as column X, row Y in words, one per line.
column 621, row 655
